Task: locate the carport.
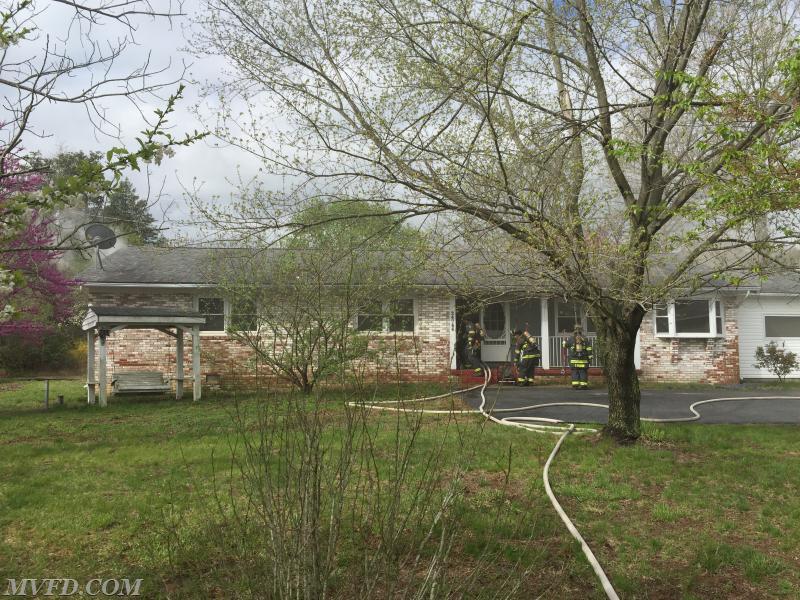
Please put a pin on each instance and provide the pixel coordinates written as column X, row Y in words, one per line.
column 102, row 321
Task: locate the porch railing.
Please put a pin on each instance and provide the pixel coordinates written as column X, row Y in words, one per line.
column 558, row 353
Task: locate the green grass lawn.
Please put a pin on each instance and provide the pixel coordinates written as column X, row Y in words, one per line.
column 139, row 490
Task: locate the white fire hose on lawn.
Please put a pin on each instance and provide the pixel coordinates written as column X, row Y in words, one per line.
column 538, row 424
column 546, row 425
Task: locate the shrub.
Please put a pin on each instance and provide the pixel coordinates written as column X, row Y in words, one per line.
column 62, row 350
column 776, row 360
column 328, row 502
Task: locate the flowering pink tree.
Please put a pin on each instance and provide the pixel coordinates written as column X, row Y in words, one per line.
column 35, row 296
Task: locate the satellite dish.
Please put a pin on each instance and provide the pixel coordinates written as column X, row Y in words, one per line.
column 100, row 236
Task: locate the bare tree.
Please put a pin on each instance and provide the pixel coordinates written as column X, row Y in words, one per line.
column 74, row 66
column 295, row 310
column 315, row 308
column 54, row 52
column 632, row 150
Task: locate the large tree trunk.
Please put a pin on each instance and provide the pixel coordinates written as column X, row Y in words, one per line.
column 618, row 344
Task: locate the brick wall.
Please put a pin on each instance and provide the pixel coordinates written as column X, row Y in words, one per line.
column 425, row 354
column 162, row 299
column 702, row 360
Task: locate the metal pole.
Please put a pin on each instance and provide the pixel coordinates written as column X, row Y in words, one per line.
column 179, row 364
column 545, row 329
column 90, row 381
column 196, row 387
column 103, row 363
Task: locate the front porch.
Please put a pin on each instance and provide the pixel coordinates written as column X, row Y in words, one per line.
column 550, row 321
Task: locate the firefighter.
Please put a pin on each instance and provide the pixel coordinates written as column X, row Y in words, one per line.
column 579, row 352
column 528, row 353
column 516, row 349
column 462, row 350
column 474, row 341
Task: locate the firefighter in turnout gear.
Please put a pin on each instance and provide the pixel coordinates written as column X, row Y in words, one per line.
column 579, row 353
column 474, row 341
column 527, row 354
column 517, row 350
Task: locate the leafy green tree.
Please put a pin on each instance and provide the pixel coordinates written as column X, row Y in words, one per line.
column 347, row 225
column 630, row 151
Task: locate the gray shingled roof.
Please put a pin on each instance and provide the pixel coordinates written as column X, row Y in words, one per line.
column 782, row 284
column 153, row 265
column 203, row 266
column 112, row 316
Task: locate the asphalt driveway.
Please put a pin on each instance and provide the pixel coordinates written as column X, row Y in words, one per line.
column 781, row 407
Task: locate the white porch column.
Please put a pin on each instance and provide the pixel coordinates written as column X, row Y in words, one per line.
column 453, row 333
column 637, row 352
column 179, row 363
column 545, row 329
column 196, row 388
column 90, row 380
column 102, row 379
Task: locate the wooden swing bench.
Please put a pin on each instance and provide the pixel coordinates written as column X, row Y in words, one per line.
column 140, row 382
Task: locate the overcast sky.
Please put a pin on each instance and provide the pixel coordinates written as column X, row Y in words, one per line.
column 204, row 165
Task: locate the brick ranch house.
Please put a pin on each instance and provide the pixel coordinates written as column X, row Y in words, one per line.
column 708, row 338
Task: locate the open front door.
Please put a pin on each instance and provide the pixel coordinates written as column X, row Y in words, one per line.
column 494, row 319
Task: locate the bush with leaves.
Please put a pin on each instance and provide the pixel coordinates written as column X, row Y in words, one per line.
column 776, row 360
column 61, row 351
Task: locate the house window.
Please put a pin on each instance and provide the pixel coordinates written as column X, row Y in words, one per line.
column 692, row 316
column 689, row 318
column 370, row 318
column 662, row 319
column 394, row 316
column 213, row 309
column 527, row 314
column 779, row 326
column 401, row 315
column 568, row 314
column 244, row 316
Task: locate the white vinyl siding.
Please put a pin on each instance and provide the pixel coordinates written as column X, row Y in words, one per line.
column 752, row 331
